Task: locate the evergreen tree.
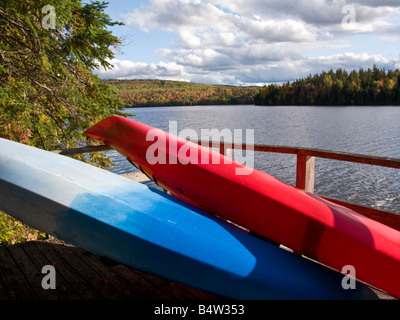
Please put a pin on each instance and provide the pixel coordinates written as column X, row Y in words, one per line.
column 48, row 93
column 363, row 87
column 48, row 51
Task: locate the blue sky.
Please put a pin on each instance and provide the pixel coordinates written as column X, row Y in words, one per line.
column 252, row 42
column 139, row 45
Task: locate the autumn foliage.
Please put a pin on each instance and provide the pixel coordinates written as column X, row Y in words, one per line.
column 150, row 93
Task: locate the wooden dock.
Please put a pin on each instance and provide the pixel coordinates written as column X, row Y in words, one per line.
column 84, row 276
column 81, row 275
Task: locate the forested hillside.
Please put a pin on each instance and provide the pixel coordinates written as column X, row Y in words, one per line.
column 363, row 87
column 150, row 93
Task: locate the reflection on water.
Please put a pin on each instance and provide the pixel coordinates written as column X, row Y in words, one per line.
column 363, row 130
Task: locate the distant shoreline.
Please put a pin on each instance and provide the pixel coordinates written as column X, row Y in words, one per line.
column 372, row 87
column 160, row 93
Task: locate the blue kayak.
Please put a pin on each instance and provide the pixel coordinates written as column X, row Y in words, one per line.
column 142, row 227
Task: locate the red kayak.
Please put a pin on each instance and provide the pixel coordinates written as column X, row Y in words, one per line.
column 332, row 234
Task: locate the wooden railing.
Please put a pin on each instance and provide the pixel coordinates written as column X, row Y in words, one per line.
column 306, row 160
column 305, row 170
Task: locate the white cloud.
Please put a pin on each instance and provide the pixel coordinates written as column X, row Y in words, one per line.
column 125, row 69
column 277, row 70
column 292, row 69
column 201, row 58
column 253, row 41
column 202, row 23
column 317, row 12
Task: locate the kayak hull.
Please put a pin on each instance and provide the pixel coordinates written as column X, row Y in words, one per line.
column 332, row 234
column 126, row 221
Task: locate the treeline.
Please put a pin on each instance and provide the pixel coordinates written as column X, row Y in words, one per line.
column 151, row 93
column 364, row 87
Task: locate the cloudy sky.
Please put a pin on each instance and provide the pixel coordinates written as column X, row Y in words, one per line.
column 252, row 42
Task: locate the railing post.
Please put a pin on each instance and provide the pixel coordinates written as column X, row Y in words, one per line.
column 305, row 171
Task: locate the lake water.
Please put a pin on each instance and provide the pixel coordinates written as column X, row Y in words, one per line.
column 364, row 130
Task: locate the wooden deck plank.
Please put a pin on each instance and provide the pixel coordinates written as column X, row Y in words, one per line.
column 152, row 286
column 109, row 282
column 40, row 260
column 18, row 286
column 165, row 285
column 5, row 291
column 199, row 294
column 80, row 275
column 86, row 280
column 74, row 278
column 148, row 290
column 38, row 251
column 175, row 289
column 31, row 271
